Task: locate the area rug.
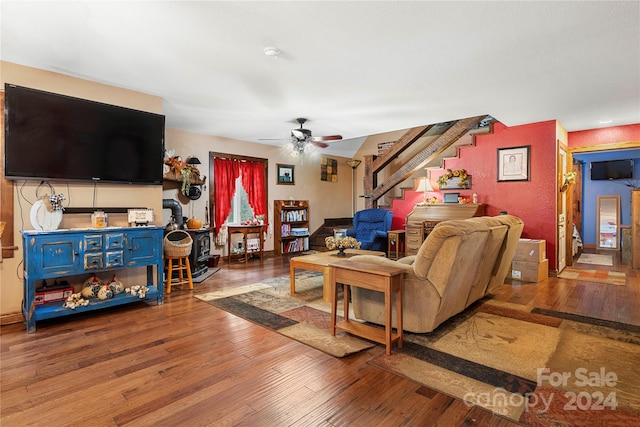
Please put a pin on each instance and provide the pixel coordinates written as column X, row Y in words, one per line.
column 535, row 368
column 596, row 259
column 303, row 317
column 598, row 276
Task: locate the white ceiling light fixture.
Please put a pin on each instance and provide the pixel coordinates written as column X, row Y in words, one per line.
column 272, row 52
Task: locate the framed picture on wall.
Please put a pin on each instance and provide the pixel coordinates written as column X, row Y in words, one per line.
column 329, row 169
column 285, row 174
column 513, row 163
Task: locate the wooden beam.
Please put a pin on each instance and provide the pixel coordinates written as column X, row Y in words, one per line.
column 605, row 147
column 404, row 142
column 455, row 132
column 370, row 181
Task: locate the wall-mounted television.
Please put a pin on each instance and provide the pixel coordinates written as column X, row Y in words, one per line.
column 612, row 169
column 50, row 136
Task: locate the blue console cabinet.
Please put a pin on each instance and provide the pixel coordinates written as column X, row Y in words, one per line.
column 50, row 255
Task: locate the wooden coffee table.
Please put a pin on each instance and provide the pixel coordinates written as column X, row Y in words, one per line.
column 320, row 262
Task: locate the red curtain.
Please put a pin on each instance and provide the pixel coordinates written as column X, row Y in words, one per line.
column 254, row 185
column 225, row 173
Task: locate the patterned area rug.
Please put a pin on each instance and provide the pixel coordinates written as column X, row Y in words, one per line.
column 596, row 259
column 535, row 367
column 598, row 276
column 303, row 317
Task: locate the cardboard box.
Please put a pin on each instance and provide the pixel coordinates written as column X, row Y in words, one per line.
column 531, row 250
column 529, row 271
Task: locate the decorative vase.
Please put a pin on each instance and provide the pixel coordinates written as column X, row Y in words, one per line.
column 341, row 251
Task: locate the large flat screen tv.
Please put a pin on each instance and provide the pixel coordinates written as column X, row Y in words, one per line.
column 57, row 137
column 612, row 169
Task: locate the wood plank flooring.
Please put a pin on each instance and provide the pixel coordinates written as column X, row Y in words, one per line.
column 188, row 363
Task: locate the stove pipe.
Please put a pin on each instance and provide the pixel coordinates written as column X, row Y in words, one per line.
column 176, row 211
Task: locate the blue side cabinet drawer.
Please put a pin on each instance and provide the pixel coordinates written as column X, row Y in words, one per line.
column 60, row 253
column 93, row 261
column 93, row 243
column 114, row 259
column 114, row 241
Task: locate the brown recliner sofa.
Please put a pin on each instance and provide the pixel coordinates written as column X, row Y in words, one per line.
column 458, row 263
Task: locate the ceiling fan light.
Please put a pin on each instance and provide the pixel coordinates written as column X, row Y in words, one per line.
column 309, row 148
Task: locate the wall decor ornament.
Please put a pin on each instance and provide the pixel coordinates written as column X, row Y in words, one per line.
column 329, row 169
column 513, row 163
column 454, row 180
column 285, row 174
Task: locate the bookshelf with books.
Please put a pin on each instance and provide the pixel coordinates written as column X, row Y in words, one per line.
column 291, row 226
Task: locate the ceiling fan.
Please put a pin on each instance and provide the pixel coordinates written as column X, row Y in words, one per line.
column 302, row 139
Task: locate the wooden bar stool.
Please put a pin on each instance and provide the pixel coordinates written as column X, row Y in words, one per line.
column 177, row 248
column 181, row 265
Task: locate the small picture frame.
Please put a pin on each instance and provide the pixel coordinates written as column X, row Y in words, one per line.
column 513, row 163
column 285, row 174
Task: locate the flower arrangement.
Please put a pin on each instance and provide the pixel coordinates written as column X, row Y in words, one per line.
column 449, row 174
column 258, row 220
column 432, row 201
column 341, row 243
column 186, row 172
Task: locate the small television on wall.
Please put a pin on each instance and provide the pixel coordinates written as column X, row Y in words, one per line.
column 49, row 136
column 612, row 169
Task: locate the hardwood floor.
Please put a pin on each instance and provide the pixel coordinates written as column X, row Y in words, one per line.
column 188, row 363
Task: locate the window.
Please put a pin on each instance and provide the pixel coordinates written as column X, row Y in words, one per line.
column 239, row 189
column 240, row 209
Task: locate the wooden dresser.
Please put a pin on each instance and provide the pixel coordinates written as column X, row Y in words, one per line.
column 423, row 218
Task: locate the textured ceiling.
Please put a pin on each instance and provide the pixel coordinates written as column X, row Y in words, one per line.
column 352, row 68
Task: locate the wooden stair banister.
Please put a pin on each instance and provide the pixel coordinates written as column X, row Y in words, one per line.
column 403, row 143
column 373, row 191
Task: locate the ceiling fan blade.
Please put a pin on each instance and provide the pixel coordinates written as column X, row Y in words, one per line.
column 327, row 138
column 274, row 139
column 319, row 144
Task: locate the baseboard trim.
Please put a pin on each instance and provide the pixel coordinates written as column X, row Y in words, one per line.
column 8, row 319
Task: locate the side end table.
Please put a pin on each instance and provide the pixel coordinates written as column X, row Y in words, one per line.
column 386, row 279
column 395, row 245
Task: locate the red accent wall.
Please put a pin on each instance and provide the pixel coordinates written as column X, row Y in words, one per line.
column 591, row 137
column 534, row 201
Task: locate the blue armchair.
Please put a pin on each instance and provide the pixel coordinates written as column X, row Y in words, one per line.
column 370, row 228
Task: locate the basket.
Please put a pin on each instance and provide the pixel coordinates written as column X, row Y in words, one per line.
column 177, row 243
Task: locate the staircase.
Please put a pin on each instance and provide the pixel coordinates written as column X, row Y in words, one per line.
column 316, row 240
column 450, row 152
column 419, row 148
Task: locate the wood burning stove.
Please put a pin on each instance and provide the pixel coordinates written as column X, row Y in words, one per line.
column 200, row 252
